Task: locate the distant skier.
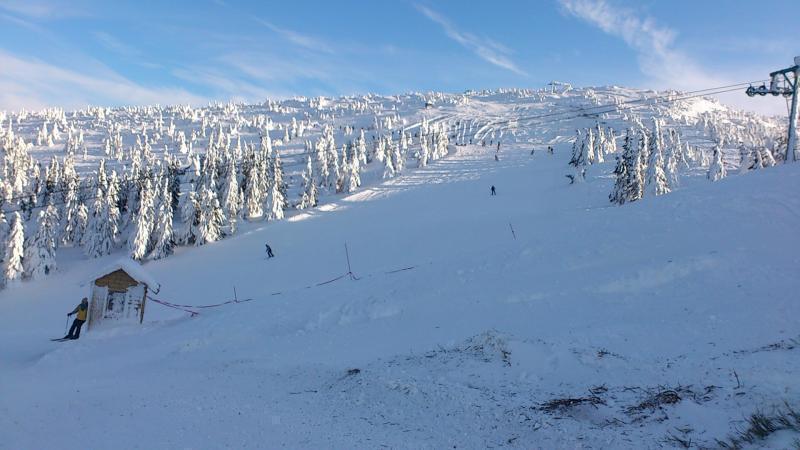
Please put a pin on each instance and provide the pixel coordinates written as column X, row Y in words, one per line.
column 496, row 158
column 498, row 146
column 269, row 251
column 80, row 311
column 533, row 150
column 494, row 192
column 550, row 149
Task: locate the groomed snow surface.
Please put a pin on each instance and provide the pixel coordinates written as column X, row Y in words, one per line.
column 692, row 293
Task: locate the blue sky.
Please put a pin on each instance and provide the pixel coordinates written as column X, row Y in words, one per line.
column 78, row 52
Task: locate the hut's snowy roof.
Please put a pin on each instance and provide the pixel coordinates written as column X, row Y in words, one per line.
column 135, row 270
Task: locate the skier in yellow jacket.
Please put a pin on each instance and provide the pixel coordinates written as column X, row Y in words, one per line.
column 80, row 311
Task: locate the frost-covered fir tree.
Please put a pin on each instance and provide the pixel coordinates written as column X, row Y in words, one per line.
column 388, row 167
column 211, row 220
column 657, row 183
column 361, row 148
column 187, row 232
column 589, row 147
column 164, row 240
column 617, row 195
column 13, row 269
column 278, row 177
column 629, row 184
column 5, row 230
column 758, row 160
column 100, row 232
column 577, row 149
column 716, row 171
column 40, row 253
column 139, row 241
column 72, row 230
column 276, row 201
column 424, row 152
column 334, row 172
column 308, row 199
column 353, row 179
column 255, row 191
column 231, row 197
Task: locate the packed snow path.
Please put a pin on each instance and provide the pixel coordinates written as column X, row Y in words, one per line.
column 688, row 291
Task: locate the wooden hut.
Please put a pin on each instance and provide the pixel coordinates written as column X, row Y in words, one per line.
column 119, row 293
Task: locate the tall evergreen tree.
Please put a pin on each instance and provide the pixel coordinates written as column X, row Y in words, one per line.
column 100, row 232
column 716, row 171
column 656, row 178
column 308, row 198
column 13, row 269
column 231, row 197
column 164, row 238
column 255, row 191
column 40, row 252
column 139, row 241
column 187, row 233
column 211, row 220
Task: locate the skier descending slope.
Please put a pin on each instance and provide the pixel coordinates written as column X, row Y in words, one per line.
column 269, row 251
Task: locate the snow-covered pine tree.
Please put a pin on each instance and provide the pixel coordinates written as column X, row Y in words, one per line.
column 617, row 195
column 631, row 187
column 164, row 238
column 656, row 183
column 13, row 269
column 5, row 230
column 758, row 160
column 424, row 152
column 334, row 174
column 398, row 157
column 231, row 197
column 112, row 198
column 187, row 232
column 361, row 148
column 354, row 175
column 99, row 237
column 577, row 149
column 308, row 198
column 40, row 251
column 380, row 150
column 211, row 220
column 276, row 200
column 71, row 232
column 611, row 142
column 716, row 171
column 388, row 167
column 139, row 240
column 255, row 191
column 589, row 147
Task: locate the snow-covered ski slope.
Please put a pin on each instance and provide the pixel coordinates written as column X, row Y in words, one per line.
column 689, row 295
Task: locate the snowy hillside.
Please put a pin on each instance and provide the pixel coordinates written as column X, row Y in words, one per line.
column 542, row 317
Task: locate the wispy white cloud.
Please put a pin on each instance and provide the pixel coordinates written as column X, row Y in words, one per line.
column 653, row 43
column 115, row 45
column 298, row 39
column 487, row 49
column 659, row 58
column 31, row 83
column 44, row 9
